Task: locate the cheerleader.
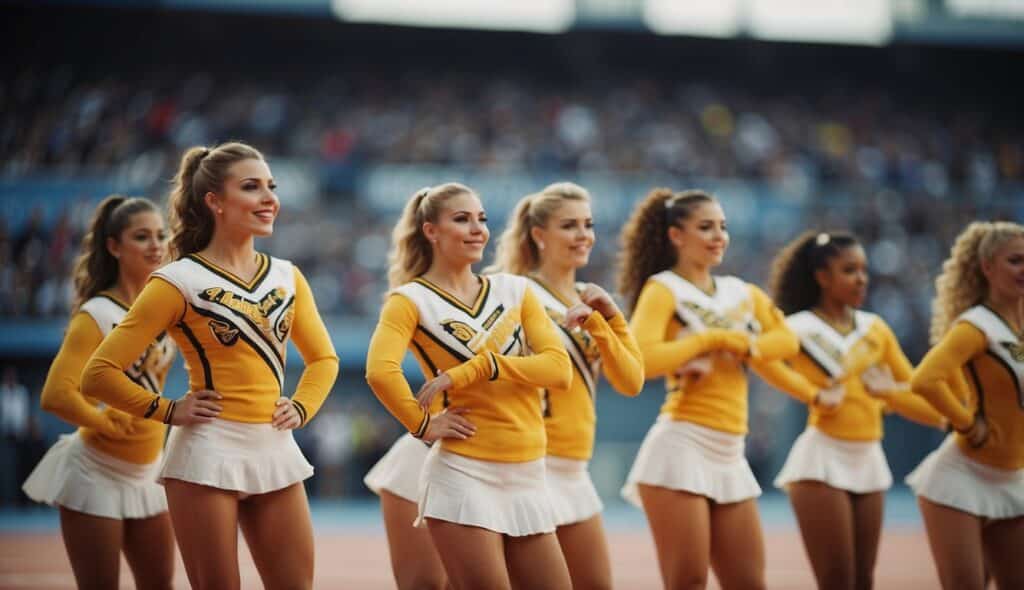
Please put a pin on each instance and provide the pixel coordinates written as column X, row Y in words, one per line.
column 971, row 489
column 482, row 493
column 850, row 370
column 697, row 330
column 231, row 459
column 549, row 237
column 103, row 476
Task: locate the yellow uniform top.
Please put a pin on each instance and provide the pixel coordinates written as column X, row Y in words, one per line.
column 870, row 346
column 599, row 346
column 108, row 430
column 718, row 399
column 483, row 349
column 993, row 360
column 233, row 335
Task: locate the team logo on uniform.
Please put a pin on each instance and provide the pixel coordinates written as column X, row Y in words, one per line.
column 823, row 343
column 224, row 332
column 284, row 323
column 460, row 330
column 709, row 317
column 256, row 311
column 1016, row 351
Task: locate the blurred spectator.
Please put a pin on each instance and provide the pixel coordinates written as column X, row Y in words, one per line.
column 15, row 434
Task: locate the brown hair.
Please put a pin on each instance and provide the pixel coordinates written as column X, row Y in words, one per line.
column 202, row 170
column 411, row 253
column 96, row 268
column 646, row 249
column 517, row 253
column 792, row 283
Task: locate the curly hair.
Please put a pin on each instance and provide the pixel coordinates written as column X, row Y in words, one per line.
column 517, row 253
column 962, row 285
column 96, row 268
column 202, row 170
column 646, row 249
column 792, row 283
column 411, row 254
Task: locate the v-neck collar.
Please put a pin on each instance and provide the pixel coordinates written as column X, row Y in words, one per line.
column 251, row 285
column 478, row 303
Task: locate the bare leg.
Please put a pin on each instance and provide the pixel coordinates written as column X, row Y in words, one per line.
column 737, row 545
column 279, row 532
column 149, row 549
column 414, row 561
column 956, row 543
column 93, row 544
column 681, row 525
column 206, row 526
column 473, row 557
column 586, row 554
column 825, row 516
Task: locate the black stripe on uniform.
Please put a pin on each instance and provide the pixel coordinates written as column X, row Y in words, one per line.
column 207, row 373
column 245, row 337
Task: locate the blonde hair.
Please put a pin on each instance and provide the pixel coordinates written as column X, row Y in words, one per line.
column 517, row 253
column 202, row 170
column 411, row 253
column 962, row 285
column 646, row 249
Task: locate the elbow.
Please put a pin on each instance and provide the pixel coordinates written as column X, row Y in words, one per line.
column 561, row 377
column 921, row 384
column 48, row 401
column 92, row 380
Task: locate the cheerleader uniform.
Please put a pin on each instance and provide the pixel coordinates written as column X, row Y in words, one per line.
column 494, row 479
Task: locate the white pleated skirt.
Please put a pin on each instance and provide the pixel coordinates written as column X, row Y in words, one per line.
column 948, row 477
column 398, row 471
column 78, row 477
column 507, row 498
column 573, row 496
column 684, row 456
column 236, row 456
column 855, row 466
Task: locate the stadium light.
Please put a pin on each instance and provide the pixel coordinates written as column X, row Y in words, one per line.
column 539, row 16
column 862, row 22
column 699, row 18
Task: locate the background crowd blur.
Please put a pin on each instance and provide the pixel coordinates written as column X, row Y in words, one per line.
column 902, row 144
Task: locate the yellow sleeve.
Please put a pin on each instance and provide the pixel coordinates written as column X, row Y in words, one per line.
column 786, row 379
column 655, row 308
column 62, row 394
column 621, row 362
column 937, row 371
column 776, row 341
column 314, row 343
column 391, row 338
column 905, row 403
column 157, row 308
column 548, row 366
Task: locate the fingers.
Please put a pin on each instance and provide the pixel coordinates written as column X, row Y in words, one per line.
column 205, row 394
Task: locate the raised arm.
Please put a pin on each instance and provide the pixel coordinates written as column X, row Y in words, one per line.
column 621, row 361
column 776, row 341
column 548, row 366
column 654, row 310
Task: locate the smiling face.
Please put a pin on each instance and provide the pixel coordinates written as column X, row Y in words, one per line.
column 1005, row 270
column 568, row 236
column 702, row 238
column 246, row 204
column 460, row 234
column 141, row 246
column 845, row 277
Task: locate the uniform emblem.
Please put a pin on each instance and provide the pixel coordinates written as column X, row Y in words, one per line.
column 461, row 331
column 1016, row 351
column 224, row 332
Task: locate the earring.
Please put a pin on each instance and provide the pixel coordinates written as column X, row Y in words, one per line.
column 540, row 245
column 220, row 211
